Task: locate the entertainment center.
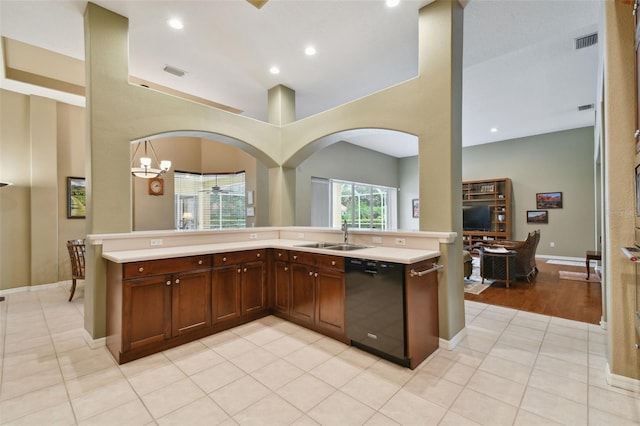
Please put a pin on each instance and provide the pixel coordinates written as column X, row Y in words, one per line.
column 486, row 214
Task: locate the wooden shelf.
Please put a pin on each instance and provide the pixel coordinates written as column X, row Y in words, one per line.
column 495, row 193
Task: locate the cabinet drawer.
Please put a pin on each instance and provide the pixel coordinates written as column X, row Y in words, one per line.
column 330, row 262
column 303, row 257
column 166, row 266
column 234, row 258
column 280, row 254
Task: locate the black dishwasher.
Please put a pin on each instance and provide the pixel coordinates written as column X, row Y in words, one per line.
column 374, row 307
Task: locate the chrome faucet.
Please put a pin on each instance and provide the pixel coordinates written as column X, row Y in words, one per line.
column 345, row 229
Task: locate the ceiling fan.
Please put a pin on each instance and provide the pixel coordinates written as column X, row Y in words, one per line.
column 216, row 189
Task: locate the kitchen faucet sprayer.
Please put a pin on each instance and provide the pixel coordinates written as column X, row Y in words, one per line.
column 346, row 232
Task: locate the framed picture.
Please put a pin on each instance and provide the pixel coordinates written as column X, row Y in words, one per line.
column 549, row 200
column 537, row 216
column 76, row 198
column 415, row 207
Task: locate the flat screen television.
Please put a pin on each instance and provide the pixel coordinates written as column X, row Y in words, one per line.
column 476, row 218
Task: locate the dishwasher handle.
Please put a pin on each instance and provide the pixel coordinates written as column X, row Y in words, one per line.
column 434, row 267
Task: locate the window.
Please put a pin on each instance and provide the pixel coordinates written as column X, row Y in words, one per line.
column 362, row 206
column 209, row 200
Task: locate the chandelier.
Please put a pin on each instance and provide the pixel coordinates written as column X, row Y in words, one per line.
column 147, row 169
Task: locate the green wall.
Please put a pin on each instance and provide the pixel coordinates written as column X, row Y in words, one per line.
column 552, row 162
column 342, row 161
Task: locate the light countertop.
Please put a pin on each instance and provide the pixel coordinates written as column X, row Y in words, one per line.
column 388, row 254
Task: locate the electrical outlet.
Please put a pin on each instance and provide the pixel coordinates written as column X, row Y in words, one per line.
column 253, row 236
column 376, row 240
column 157, row 242
column 552, row 244
column 401, row 242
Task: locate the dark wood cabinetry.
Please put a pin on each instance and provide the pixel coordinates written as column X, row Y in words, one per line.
column 421, row 311
column 495, row 196
column 155, row 305
column 239, row 285
column 152, row 302
column 280, row 279
column 317, row 291
column 146, row 312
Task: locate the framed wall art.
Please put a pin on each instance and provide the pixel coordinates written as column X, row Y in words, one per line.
column 549, row 200
column 76, row 198
column 537, row 216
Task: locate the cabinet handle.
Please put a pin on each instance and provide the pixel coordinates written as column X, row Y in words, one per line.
column 239, row 270
column 140, row 269
column 286, row 268
column 257, row 254
column 333, row 263
column 169, row 282
column 199, row 262
column 295, row 257
column 279, row 254
column 315, row 275
column 245, row 270
column 177, row 280
column 224, row 259
column 310, row 274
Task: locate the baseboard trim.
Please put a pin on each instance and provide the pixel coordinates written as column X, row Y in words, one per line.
column 451, row 344
column 93, row 343
column 551, row 257
column 623, row 382
column 38, row 287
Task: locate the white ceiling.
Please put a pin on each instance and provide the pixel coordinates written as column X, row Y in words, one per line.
column 521, row 73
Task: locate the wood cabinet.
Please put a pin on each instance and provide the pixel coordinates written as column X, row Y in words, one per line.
column 280, row 280
column 317, row 291
column 155, row 305
column 494, row 196
column 151, row 303
column 421, row 311
column 239, row 285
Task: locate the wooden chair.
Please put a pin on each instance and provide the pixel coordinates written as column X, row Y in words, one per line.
column 525, row 255
column 76, row 253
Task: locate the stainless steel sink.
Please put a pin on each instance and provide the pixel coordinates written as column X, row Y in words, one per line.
column 333, row 246
column 316, row 245
column 346, row 247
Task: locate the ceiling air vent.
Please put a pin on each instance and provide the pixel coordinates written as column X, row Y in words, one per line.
column 175, row 71
column 586, row 41
column 585, row 107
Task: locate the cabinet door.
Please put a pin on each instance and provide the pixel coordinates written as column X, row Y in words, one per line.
column 330, row 300
column 191, row 309
column 422, row 328
column 302, row 292
column 226, row 293
column 254, row 295
column 146, row 312
column 281, row 280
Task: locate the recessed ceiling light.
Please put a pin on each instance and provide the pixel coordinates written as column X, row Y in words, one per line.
column 175, row 23
column 493, row 129
column 274, row 70
column 392, row 3
column 310, row 51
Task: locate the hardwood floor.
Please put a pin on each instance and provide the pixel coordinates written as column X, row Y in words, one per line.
column 548, row 295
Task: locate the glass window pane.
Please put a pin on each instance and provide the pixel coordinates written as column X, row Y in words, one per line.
column 216, row 201
column 362, row 206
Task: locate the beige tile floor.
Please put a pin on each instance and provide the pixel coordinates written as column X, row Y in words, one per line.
column 514, row 368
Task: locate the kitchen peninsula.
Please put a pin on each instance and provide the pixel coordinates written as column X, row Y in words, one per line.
column 166, row 288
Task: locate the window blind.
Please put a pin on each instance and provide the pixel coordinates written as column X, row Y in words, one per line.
column 210, row 200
